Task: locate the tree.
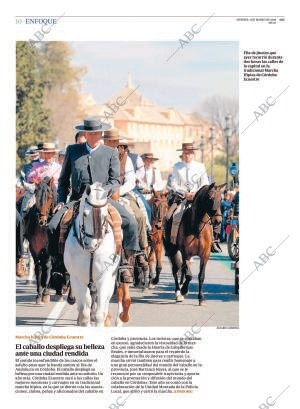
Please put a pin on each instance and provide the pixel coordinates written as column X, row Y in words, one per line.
column 32, row 118
column 215, row 109
column 61, row 81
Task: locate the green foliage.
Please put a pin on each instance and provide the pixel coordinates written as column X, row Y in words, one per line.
column 32, row 120
column 48, row 99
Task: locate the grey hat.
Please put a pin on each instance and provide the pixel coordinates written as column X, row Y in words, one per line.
column 93, row 124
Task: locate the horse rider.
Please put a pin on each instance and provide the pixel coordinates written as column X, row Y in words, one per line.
column 34, row 155
column 152, row 179
column 61, row 156
column 112, row 138
column 48, row 167
column 85, row 164
column 139, row 170
column 188, row 176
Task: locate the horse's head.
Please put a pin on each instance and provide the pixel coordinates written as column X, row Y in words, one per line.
column 208, row 200
column 46, row 200
column 159, row 207
column 92, row 213
column 215, row 194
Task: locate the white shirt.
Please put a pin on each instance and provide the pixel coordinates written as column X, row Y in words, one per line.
column 140, row 170
column 152, row 179
column 89, row 149
column 129, row 178
column 188, row 177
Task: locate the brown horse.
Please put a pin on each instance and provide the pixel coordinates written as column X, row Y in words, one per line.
column 36, row 233
column 159, row 208
column 194, row 238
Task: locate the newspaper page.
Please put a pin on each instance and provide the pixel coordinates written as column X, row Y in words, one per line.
column 130, row 131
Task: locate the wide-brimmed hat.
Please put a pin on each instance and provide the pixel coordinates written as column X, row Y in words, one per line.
column 62, row 152
column 111, row 135
column 149, row 156
column 32, row 151
column 126, row 141
column 48, row 147
column 188, row 146
column 40, row 146
column 93, row 124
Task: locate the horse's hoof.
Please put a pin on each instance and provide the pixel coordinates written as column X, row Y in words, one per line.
column 179, row 297
column 155, row 280
column 151, row 286
column 71, row 300
column 58, row 298
column 46, row 298
column 38, row 300
column 202, row 302
column 119, row 322
column 124, row 317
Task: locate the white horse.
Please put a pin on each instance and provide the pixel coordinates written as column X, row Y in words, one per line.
column 90, row 258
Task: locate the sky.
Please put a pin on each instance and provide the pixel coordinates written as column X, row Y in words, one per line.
column 194, row 72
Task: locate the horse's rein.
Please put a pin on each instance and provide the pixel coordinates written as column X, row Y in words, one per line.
column 82, row 231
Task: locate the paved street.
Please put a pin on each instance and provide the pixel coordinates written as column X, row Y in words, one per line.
column 155, row 307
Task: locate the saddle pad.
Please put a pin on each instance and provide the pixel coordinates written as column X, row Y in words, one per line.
column 141, row 205
column 115, row 221
column 177, row 216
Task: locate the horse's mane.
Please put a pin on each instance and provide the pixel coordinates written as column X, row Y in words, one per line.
column 41, row 195
column 199, row 205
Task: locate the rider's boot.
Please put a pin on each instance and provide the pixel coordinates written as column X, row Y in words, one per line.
column 20, row 272
column 215, row 246
column 126, row 268
column 142, row 262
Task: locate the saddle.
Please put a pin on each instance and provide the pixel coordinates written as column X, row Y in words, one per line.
column 176, row 219
column 114, row 220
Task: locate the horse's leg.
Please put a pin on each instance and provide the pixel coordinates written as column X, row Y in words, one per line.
column 158, row 255
column 46, row 272
column 105, row 290
column 186, row 272
column 83, row 300
column 201, row 277
column 124, row 301
column 38, row 275
column 84, row 316
column 176, row 262
column 119, row 295
column 151, row 261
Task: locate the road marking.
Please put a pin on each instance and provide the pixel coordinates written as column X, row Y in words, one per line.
column 55, row 313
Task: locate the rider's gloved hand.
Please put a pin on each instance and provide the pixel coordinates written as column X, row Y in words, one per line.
column 58, row 207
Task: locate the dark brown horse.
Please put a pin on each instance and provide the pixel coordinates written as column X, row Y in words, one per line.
column 36, row 233
column 159, row 208
column 194, row 238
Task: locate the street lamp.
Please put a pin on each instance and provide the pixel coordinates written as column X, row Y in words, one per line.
column 212, row 139
column 201, row 146
column 227, row 133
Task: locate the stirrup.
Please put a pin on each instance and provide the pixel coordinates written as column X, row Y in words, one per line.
column 215, row 248
column 125, row 274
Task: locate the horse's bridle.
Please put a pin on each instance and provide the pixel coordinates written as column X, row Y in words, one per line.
column 39, row 213
column 156, row 209
column 83, row 233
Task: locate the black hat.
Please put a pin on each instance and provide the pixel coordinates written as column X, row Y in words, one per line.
column 32, row 151
column 93, row 124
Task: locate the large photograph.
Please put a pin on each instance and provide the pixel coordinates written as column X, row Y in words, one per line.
column 127, row 184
